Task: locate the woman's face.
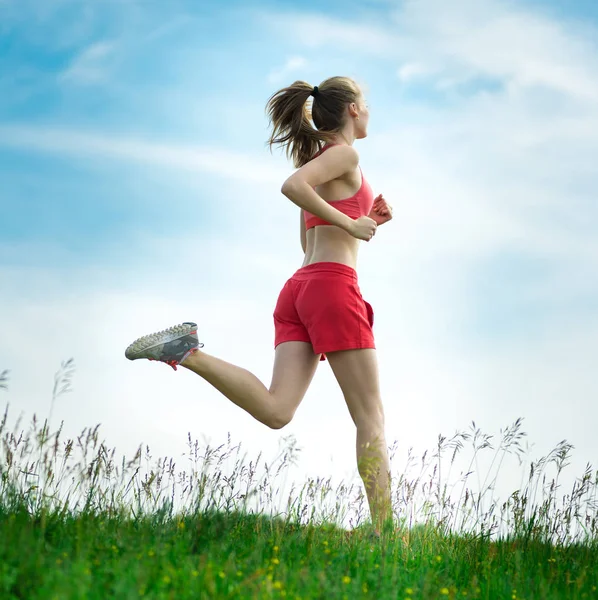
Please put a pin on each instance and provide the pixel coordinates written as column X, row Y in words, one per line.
column 363, row 112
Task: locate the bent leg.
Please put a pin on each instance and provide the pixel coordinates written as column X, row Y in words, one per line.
column 357, row 374
column 294, row 367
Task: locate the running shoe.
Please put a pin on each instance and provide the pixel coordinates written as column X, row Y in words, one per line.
column 171, row 346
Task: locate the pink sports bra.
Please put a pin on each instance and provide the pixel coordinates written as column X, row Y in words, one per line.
column 356, row 206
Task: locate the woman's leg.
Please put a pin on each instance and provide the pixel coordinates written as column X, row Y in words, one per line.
column 294, row 367
column 357, row 374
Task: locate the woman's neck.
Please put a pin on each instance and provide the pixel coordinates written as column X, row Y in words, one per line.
column 345, row 136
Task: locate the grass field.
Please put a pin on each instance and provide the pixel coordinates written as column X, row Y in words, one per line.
column 77, row 523
column 233, row 555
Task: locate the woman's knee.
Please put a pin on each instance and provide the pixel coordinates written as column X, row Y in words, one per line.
column 369, row 415
column 278, row 419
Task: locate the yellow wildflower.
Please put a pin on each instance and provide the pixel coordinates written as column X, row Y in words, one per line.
column 346, row 579
column 444, row 591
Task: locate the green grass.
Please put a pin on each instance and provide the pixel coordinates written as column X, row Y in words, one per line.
column 77, row 523
column 235, row 555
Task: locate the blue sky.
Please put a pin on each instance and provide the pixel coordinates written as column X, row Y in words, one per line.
column 128, row 70
column 136, row 191
column 578, row 10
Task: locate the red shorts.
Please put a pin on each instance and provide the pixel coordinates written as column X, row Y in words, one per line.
column 322, row 304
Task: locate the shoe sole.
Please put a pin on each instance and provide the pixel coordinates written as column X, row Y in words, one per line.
column 142, row 344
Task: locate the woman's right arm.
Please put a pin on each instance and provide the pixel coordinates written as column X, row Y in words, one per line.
column 332, row 164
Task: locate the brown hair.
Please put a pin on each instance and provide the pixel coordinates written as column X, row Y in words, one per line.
column 290, row 116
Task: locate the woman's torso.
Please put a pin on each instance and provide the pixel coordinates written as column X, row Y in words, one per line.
column 328, row 243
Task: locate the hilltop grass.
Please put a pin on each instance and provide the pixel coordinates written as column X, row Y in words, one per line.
column 235, row 555
column 75, row 524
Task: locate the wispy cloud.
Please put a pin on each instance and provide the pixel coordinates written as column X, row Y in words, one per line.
column 495, row 38
column 169, row 27
column 292, row 65
column 314, row 30
column 411, row 71
column 91, row 65
column 166, row 155
column 485, row 37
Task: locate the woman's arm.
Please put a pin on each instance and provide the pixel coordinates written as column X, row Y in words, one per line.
column 332, row 164
column 302, row 231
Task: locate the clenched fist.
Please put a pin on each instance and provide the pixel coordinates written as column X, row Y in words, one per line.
column 381, row 211
column 363, row 228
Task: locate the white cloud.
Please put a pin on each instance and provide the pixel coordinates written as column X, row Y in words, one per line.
column 292, row 65
column 317, row 30
column 410, row 71
column 168, row 28
column 77, row 143
column 489, row 37
column 91, row 65
column 495, row 38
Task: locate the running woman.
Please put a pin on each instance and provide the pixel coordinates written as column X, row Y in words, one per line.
column 320, row 312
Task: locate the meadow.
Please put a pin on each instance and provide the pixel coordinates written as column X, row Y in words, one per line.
column 78, row 522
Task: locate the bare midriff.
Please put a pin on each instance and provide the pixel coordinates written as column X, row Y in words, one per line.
column 328, row 243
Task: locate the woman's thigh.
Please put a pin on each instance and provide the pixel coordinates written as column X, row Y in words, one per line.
column 357, row 374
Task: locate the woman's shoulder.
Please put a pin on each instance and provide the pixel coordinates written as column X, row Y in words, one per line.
column 342, row 152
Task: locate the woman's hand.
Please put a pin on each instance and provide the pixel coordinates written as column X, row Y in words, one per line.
column 381, row 211
column 363, row 228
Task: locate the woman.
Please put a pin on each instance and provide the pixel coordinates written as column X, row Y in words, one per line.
column 320, row 312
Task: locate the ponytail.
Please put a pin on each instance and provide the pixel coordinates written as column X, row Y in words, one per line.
column 291, row 124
